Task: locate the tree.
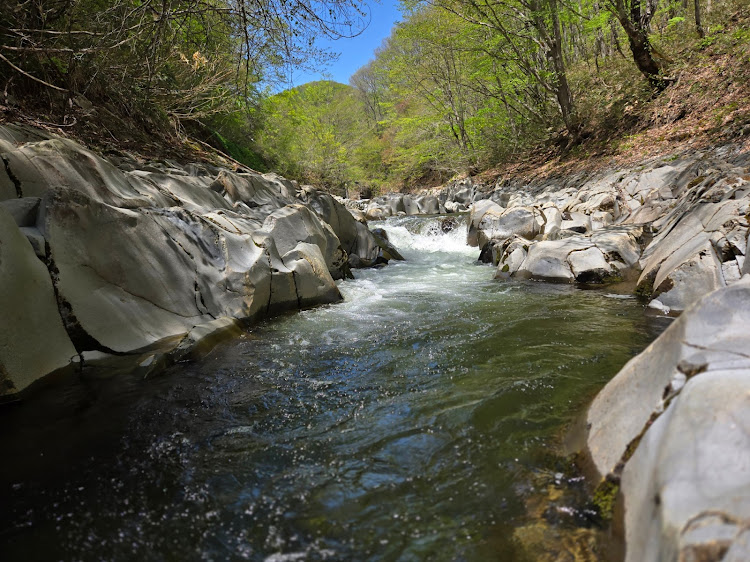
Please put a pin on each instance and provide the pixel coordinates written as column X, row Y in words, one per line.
column 527, row 28
column 635, row 20
column 189, row 58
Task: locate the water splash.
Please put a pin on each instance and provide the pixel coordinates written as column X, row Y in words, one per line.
column 415, row 235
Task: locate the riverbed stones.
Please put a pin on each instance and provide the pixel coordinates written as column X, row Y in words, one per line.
column 600, row 257
column 33, row 341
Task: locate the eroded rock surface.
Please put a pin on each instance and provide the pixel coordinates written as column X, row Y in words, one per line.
column 112, row 257
column 674, row 426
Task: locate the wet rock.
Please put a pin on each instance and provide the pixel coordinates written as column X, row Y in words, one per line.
column 387, row 250
column 313, row 283
column 355, row 237
column 296, row 223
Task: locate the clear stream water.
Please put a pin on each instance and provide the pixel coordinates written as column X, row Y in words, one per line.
column 416, row 420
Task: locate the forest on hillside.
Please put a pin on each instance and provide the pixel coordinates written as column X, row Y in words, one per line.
column 459, row 86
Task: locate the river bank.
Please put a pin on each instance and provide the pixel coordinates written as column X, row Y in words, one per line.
column 106, row 258
column 667, row 437
column 418, row 418
column 116, row 265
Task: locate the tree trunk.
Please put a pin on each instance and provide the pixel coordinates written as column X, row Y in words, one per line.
column 698, row 24
column 640, row 46
column 555, row 58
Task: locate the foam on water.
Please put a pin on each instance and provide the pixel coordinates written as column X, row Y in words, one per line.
column 413, row 235
column 409, row 422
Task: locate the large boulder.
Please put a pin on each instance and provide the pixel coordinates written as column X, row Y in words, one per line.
column 478, row 210
column 356, row 239
column 297, row 223
column 123, row 281
column 674, row 425
column 33, row 341
column 502, row 224
column 313, row 283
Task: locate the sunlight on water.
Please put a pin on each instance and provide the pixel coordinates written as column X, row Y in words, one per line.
column 418, row 419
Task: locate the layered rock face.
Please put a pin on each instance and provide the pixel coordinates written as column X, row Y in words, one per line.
column 115, row 256
column 673, row 428
column 677, row 228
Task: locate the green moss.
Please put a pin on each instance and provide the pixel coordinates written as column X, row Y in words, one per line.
column 613, row 277
column 645, row 288
column 506, row 268
column 605, row 497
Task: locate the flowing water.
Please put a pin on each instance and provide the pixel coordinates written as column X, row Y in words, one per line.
column 416, row 420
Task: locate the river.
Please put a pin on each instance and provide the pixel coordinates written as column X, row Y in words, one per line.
column 421, row 418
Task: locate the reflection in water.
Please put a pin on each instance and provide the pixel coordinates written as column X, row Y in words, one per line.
column 417, row 420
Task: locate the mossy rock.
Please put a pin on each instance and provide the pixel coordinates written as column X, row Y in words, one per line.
column 605, row 497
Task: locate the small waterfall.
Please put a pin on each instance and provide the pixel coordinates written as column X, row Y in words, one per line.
column 412, row 235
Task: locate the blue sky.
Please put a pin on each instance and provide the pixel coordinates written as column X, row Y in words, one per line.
column 357, row 51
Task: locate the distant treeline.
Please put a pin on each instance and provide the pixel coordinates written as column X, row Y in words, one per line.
column 459, row 84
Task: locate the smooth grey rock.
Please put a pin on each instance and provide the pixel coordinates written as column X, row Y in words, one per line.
column 23, row 210
column 64, row 163
column 313, row 283
column 687, row 487
column 619, row 243
column 499, row 225
column 691, row 279
column 589, row 265
column 7, row 187
column 410, row 205
column 33, row 341
column 199, row 341
column 553, row 222
column 714, row 328
column 266, row 192
column 478, row 210
column 428, row 205
column 548, row 260
column 193, row 193
column 36, row 239
column 126, row 283
column 513, row 256
column 355, row 237
column 296, row 223
column 577, row 222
